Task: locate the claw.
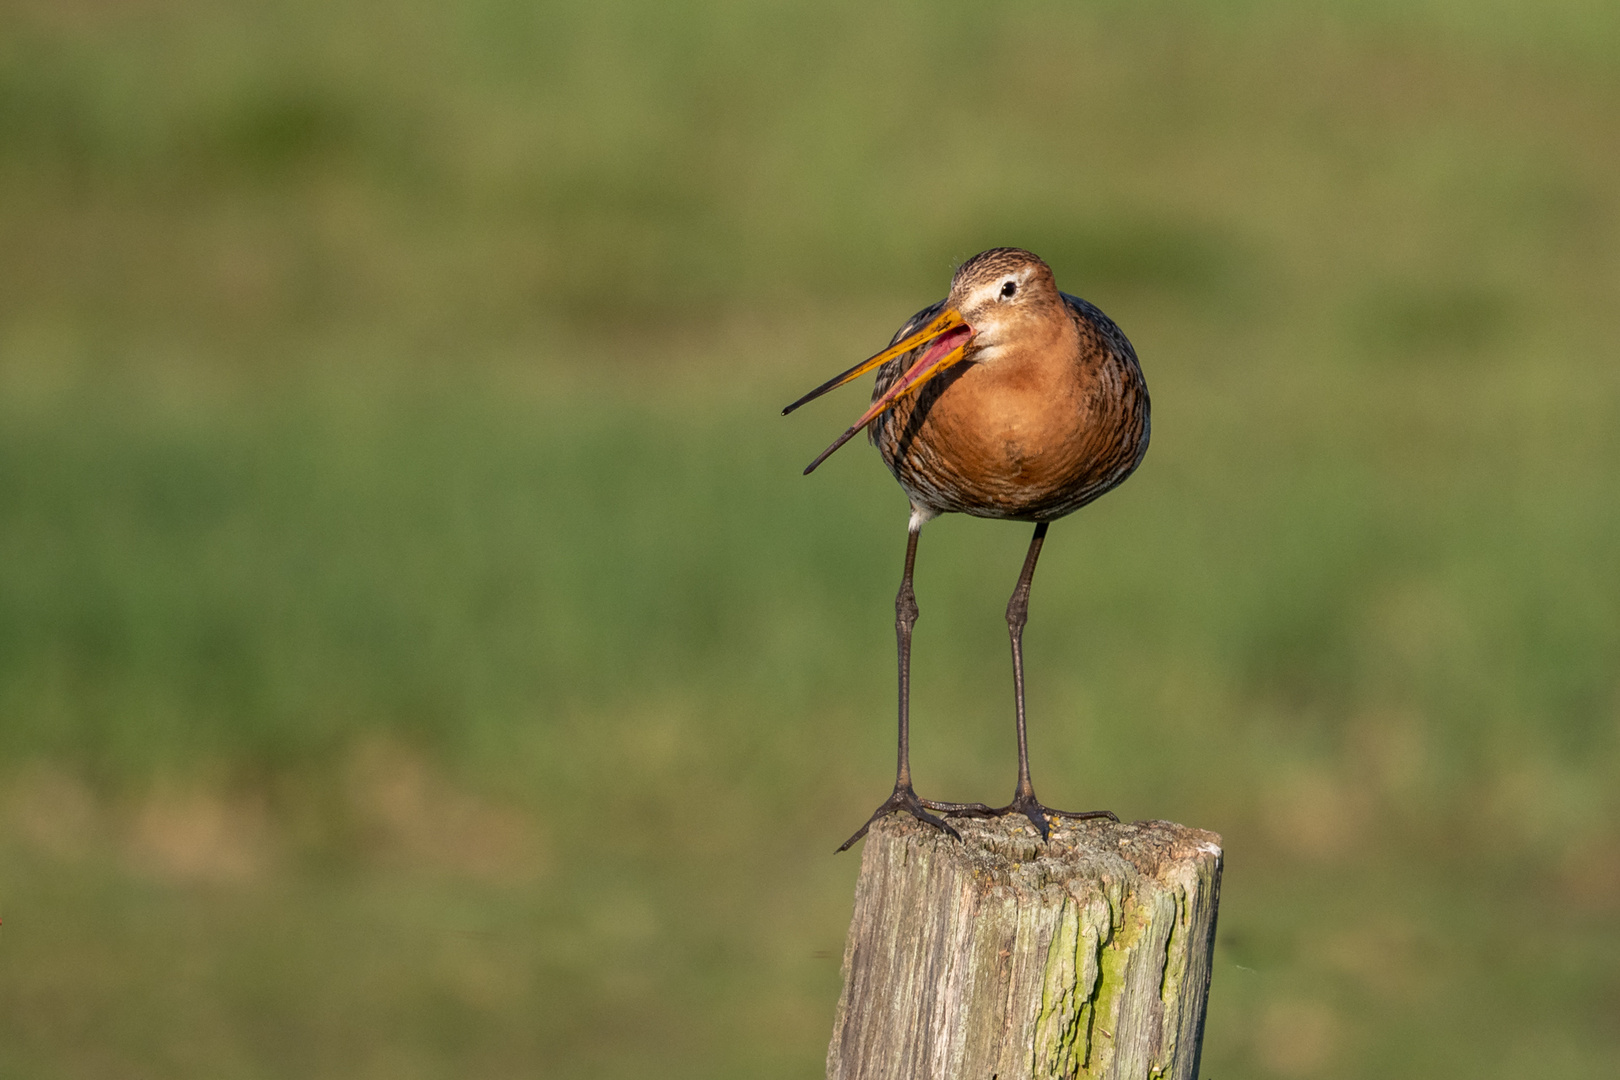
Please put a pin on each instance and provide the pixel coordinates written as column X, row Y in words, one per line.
column 903, row 799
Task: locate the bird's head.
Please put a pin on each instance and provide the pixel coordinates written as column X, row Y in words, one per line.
column 1002, row 294
column 993, row 297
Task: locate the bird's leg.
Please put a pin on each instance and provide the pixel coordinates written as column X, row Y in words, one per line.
column 905, row 617
column 1017, row 616
column 1024, row 800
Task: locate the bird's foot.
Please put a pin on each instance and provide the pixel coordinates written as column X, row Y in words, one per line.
column 904, row 799
column 1025, row 803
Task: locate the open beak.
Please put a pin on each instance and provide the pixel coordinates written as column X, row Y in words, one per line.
column 946, row 338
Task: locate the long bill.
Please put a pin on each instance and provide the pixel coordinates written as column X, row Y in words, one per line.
column 946, row 337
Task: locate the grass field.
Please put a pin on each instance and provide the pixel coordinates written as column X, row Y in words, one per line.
column 420, row 655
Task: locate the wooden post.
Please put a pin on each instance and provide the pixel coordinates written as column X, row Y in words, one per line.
column 1000, row 958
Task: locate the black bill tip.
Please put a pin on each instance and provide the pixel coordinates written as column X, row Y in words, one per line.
column 827, row 453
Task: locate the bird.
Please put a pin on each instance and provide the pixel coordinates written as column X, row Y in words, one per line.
column 1008, row 400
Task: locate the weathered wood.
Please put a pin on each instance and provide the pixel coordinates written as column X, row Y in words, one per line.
column 999, row 958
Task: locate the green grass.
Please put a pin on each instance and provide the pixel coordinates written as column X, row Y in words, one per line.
column 420, row 656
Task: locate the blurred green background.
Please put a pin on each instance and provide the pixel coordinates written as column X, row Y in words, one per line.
column 421, row 657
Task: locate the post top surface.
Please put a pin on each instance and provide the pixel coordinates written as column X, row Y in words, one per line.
column 1008, row 849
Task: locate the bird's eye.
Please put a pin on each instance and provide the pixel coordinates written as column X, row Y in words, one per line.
column 1008, row 289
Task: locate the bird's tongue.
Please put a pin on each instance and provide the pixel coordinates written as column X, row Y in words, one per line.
column 947, row 341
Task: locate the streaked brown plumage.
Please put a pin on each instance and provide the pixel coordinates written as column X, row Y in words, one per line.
column 1051, row 420
column 1008, row 399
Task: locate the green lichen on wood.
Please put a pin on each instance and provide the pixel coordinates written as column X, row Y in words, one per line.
column 1070, row 984
column 1113, row 968
column 1064, row 991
